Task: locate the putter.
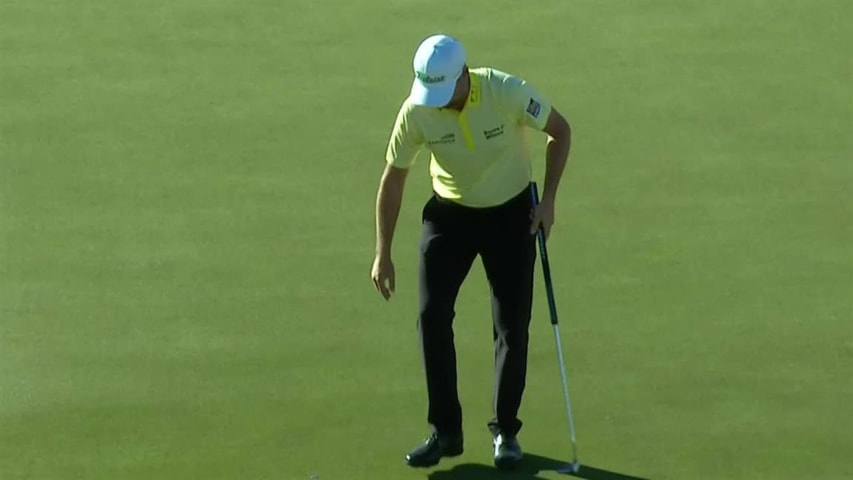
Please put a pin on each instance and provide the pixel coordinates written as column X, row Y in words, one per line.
column 574, row 466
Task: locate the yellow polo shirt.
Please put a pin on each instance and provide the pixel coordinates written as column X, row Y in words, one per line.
column 479, row 156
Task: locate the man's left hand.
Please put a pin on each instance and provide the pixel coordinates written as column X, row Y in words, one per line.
column 542, row 216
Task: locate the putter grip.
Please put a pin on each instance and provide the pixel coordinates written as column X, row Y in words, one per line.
column 543, row 255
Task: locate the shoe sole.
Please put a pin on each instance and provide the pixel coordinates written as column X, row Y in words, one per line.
column 427, row 465
column 507, row 463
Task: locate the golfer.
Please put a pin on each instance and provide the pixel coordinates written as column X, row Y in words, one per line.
column 473, row 121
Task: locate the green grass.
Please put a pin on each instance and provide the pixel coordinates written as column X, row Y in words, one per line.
column 186, row 195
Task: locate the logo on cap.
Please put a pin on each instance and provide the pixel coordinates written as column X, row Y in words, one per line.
column 427, row 79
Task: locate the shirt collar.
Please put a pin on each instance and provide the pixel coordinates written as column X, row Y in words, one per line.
column 475, row 92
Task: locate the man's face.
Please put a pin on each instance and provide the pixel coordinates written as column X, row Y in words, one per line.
column 460, row 93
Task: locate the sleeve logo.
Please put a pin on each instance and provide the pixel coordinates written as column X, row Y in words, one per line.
column 533, row 108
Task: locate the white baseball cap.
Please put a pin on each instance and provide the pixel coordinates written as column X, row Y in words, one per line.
column 438, row 63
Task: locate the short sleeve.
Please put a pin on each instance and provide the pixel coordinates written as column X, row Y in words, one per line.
column 406, row 140
column 521, row 101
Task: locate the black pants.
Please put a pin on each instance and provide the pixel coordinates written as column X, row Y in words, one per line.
column 453, row 235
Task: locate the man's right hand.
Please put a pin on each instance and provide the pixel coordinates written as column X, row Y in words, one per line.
column 382, row 275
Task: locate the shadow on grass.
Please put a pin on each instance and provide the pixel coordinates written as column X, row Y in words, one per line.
column 530, row 468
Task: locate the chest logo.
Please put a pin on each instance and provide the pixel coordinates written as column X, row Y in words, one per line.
column 445, row 139
column 494, row 132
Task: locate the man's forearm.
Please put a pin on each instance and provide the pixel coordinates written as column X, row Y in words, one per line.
column 556, row 156
column 388, row 201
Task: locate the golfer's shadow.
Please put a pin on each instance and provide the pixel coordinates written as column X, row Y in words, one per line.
column 530, row 468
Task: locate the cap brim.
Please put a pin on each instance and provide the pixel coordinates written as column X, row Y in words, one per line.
column 432, row 96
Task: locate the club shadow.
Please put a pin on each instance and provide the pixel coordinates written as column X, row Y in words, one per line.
column 477, row 471
column 529, row 469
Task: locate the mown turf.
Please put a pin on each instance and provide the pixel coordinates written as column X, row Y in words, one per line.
column 186, row 194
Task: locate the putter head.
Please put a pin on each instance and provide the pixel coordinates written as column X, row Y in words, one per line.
column 573, row 467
